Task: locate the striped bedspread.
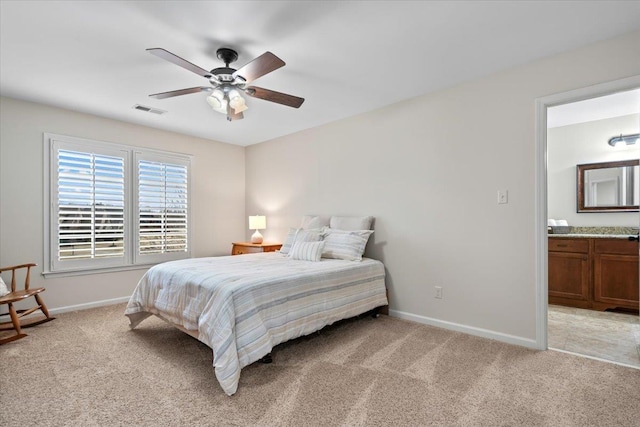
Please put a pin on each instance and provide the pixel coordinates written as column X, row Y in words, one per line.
column 243, row 306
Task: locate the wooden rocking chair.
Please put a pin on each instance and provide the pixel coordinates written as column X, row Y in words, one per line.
column 18, row 295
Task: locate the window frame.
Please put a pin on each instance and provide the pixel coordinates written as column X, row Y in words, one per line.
column 131, row 259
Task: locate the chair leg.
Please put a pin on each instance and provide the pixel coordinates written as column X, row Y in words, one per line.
column 14, row 318
column 44, row 310
column 42, row 306
column 16, row 325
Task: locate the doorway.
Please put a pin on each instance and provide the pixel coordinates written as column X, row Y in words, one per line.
column 574, row 319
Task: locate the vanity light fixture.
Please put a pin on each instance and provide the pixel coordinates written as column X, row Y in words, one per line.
column 627, row 139
column 258, row 222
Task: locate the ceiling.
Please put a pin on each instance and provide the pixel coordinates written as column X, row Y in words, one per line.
column 345, row 57
column 589, row 110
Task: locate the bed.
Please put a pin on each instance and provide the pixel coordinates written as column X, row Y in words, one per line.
column 242, row 306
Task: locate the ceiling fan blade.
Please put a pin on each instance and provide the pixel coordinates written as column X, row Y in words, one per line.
column 263, row 64
column 163, row 95
column 168, row 56
column 273, row 96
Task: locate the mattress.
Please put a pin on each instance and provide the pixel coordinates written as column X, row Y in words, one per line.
column 242, row 306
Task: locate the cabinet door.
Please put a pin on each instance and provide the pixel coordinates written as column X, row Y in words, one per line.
column 616, row 280
column 569, row 279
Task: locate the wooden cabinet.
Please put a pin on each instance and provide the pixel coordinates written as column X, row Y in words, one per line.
column 241, row 248
column 593, row 273
column 569, row 272
column 615, row 274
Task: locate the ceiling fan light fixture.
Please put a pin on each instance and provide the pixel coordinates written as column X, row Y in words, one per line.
column 240, row 108
column 237, row 102
column 238, row 105
column 228, row 83
column 217, row 102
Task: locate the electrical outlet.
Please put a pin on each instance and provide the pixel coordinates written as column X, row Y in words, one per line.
column 438, row 292
column 503, row 197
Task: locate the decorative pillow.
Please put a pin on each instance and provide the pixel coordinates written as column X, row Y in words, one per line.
column 307, row 236
column 351, row 223
column 314, row 221
column 288, row 241
column 348, row 245
column 3, row 288
column 307, row 251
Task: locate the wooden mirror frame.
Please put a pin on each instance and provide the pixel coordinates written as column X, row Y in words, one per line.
column 581, row 193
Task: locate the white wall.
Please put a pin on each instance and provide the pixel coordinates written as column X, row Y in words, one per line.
column 572, row 145
column 218, row 214
column 429, row 169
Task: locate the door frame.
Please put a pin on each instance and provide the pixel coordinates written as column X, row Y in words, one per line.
column 541, row 247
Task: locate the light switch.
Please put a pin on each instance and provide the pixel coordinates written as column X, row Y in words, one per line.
column 503, row 197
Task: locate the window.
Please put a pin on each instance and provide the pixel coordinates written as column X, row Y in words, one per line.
column 114, row 206
column 162, row 207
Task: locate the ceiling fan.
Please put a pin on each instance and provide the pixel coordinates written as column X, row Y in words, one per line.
column 227, row 83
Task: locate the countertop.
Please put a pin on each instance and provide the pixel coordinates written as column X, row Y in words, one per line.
column 598, row 233
column 592, row 236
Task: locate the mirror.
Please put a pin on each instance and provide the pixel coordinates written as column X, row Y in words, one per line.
column 609, row 186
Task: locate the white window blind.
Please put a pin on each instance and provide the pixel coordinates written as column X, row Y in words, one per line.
column 90, row 208
column 113, row 206
column 162, row 207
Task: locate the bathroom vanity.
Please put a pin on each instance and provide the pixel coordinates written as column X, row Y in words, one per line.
column 594, row 271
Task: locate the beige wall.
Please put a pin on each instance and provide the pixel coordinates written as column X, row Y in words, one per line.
column 582, row 143
column 429, row 169
column 218, row 214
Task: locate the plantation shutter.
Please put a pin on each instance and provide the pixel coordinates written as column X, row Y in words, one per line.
column 89, row 206
column 162, row 208
column 112, row 206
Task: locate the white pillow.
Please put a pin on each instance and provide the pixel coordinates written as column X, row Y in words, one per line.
column 342, row 244
column 307, row 236
column 314, row 221
column 307, row 251
column 288, row 241
column 4, row 290
column 351, row 223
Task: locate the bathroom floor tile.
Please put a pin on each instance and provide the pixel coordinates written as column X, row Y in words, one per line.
column 609, row 336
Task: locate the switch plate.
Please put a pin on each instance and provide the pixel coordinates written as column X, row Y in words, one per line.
column 438, row 292
column 503, row 197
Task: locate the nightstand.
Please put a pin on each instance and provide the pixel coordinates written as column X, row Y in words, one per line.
column 252, row 248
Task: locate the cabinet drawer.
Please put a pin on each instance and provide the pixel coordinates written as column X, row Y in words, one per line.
column 569, row 245
column 616, row 246
column 241, row 250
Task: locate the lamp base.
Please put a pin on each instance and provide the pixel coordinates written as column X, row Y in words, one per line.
column 256, row 237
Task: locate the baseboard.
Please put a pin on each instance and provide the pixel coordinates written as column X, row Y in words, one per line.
column 88, row 305
column 479, row 332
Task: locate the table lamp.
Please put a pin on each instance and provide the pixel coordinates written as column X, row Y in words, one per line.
column 258, row 222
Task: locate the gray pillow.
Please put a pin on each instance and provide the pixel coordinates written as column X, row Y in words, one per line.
column 351, row 222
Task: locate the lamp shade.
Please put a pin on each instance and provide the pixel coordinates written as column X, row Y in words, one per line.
column 237, row 102
column 258, row 222
column 217, row 101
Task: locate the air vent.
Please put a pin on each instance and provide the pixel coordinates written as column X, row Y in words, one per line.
column 148, row 109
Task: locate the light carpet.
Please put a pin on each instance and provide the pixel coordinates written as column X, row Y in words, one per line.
column 87, row 368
